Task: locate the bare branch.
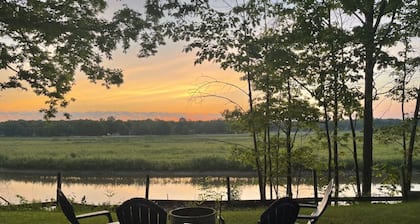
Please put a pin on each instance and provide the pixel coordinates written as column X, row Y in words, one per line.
column 215, row 81
column 203, row 95
column 303, row 86
column 359, row 18
column 199, row 93
column 13, row 69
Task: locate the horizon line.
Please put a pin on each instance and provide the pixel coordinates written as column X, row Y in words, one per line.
column 118, row 115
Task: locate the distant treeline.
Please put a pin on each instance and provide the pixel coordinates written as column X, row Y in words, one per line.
column 112, row 126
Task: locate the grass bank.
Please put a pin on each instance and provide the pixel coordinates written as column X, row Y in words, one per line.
column 364, row 213
column 156, row 153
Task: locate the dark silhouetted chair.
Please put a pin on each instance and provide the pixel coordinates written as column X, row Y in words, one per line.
column 320, row 208
column 282, row 211
column 141, row 211
column 68, row 210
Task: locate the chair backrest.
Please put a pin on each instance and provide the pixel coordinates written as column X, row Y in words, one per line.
column 282, row 211
column 325, row 200
column 140, row 211
column 66, row 207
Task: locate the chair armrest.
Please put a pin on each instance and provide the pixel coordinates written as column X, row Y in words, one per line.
column 303, row 205
column 221, row 219
column 307, row 217
column 94, row 214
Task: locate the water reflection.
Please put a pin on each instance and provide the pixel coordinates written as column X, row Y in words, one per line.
column 115, row 190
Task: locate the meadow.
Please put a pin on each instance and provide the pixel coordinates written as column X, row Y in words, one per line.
column 168, row 153
column 154, row 153
column 174, row 153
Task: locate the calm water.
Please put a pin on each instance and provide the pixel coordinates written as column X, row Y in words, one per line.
column 114, row 190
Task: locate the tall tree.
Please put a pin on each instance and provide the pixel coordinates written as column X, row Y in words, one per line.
column 353, row 107
column 43, row 44
column 377, row 30
column 411, row 23
column 283, row 104
column 405, row 68
column 233, row 35
column 326, row 60
column 225, row 35
column 410, row 152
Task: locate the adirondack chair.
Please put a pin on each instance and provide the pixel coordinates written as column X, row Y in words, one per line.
column 320, row 208
column 68, row 210
column 282, row 211
column 141, row 211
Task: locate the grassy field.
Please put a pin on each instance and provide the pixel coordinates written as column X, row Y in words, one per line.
column 403, row 213
column 160, row 153
column 183, row 152
column 172, row 153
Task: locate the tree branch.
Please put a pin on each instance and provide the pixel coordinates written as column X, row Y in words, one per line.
column 303, row 86
column 388, row 30
column 206, row 95
column 380, row 15
column 359, row 18
column 13, row 69
column 221, row 82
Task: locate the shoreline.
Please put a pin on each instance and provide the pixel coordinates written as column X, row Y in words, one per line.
column 91, row 173
column 142, row 173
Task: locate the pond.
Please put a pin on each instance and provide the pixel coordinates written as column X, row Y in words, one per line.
column 22, row 188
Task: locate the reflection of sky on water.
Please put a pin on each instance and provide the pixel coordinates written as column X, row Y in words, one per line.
column 29, row 191
column 116, row 190
column 99, row 193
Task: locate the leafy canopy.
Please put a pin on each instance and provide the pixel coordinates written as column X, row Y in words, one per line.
column 44, row 43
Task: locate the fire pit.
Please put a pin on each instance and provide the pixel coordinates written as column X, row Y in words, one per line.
column 192, row 215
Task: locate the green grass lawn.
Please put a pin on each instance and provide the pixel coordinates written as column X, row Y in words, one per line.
column 376, row 213
column 354, row 214
column 161, row 153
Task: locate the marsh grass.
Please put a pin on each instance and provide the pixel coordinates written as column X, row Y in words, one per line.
column 183, row 152
column 160, row 153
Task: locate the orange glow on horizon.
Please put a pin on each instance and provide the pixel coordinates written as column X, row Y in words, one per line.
column 165, row 85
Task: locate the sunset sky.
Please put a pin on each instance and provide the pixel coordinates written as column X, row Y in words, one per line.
column 159, row 87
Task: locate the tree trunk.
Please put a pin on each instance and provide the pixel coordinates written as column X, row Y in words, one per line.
column 335, row 142
column 289, row 146
column 268, row 135
column 327, row 133
column 411, row 143
column 335, row 117
column 368, row 112
column 270, row 162
column 261, row 182
column 356, row 163
column 333, row 60
column 277, row 163
column 403, row 99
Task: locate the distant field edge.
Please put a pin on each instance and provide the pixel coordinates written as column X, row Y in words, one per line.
column 96, row 173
